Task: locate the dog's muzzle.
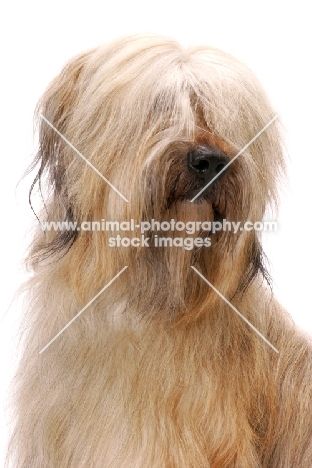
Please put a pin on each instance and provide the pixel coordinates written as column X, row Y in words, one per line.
column 206, row 162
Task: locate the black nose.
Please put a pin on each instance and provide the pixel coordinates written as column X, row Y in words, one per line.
column 206, row 161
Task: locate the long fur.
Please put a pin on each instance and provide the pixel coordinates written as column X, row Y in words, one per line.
column 159, row 371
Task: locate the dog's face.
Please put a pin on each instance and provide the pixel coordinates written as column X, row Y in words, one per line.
column 163, row 125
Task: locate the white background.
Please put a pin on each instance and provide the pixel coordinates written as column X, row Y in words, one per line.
column 272, row 37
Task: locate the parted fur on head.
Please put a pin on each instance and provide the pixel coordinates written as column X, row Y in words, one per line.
column 134, row 109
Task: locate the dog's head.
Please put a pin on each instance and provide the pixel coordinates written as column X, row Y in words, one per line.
column 163, row 125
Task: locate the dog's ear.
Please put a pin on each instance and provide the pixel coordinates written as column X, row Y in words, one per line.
column 52, row 115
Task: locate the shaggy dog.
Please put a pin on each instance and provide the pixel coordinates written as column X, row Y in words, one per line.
column 158, row 353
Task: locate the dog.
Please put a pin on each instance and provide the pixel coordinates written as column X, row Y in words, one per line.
column 160, row 347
